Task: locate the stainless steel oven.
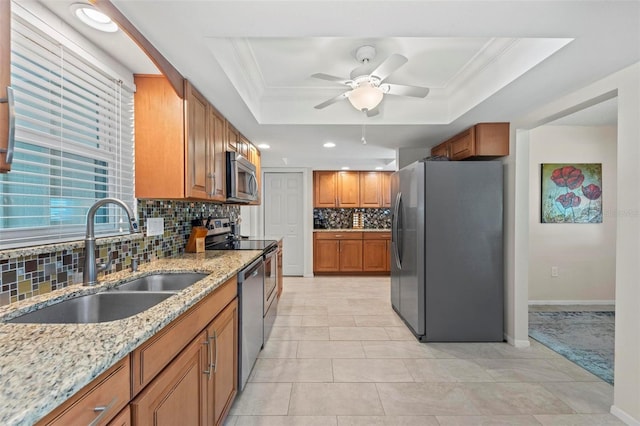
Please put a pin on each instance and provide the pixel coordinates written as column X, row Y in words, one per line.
column 270, row 292
column 242, row 185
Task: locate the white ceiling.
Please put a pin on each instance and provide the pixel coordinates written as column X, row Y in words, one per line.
column 483, row 61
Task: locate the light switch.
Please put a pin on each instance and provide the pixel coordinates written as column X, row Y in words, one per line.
column 155, row 226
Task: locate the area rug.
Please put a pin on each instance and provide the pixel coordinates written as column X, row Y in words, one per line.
column 586, row 338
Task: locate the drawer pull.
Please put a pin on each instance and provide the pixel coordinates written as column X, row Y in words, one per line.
column 338, row 236
column 208, row 343
column 215, row 359
column 103, row 410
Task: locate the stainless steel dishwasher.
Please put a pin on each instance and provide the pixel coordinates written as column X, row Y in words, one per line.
column 251, row 300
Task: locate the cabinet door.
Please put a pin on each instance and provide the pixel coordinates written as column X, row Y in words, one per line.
column 370, row 189
column 374, row 255
column 324, row 189
column 326, row 256
column 178, row 395
column 233, row 137
column 197, row 153
column 223, row 386
column 123, row 418
column 217, row 160
column 348, row 189
column 463, row 145
column 442, row 149
column 386, row 189
column 5, row 78
column 350, row 255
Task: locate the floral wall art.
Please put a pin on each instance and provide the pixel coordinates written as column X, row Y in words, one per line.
column 571, row 193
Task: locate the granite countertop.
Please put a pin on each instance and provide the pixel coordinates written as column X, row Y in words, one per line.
column 354, row 230
column 42, row 365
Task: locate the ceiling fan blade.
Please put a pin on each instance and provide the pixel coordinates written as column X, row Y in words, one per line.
column 328, row 77
column 402, row 90
column 388, row 66
column 333, row 100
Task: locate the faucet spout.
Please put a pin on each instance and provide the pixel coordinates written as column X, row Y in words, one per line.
column 90, row 272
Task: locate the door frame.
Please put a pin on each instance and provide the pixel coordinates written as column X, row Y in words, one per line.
column 307, row 212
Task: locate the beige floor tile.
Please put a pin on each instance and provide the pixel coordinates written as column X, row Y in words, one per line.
column 397, row 349
column 399, row 333
column 302, row 310
column 230, row 421
column 578, row 420
column 326, row 301
column 572, row 370
column 287, row 421
column 272, row 370
column 446, row 370
column 315, row 321
column 522, row 370
column 279, row 349
column 387, row 421
column 377, row 321
column 514, row 398
column 341, row 399
column 358, row 333
column 370, row 370
column 469, row 350
column 535, row 350
column 429, row 399
column 523, row 420
column 342, row 321
column 330, row 349
column 288, row 321
column 267, row 399
column 584, row 397
column 300, row 333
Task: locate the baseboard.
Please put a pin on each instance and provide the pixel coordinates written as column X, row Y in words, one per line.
column 516, row 343
column 572, row 302
column 626, row 418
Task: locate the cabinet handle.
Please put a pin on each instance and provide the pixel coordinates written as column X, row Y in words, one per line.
column 103, row 410
column 11, row 141
column 338, row 236
column 211, row 182
column 208, row 343
column 215, row 360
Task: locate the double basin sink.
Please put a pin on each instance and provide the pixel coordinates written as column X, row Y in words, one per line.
column 123, row 301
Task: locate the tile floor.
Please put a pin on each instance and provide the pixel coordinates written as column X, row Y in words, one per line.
column 339, row 355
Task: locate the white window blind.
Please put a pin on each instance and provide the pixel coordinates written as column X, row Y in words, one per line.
column 74, row 143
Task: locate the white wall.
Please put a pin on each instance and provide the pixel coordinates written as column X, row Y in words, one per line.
column 407, row 156
column 626, row 85
column 583, row 253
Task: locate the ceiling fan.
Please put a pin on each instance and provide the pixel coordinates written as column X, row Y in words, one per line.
column 368, row 88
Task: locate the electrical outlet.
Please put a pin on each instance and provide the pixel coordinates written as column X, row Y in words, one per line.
column 155, row 226
column 554, row 271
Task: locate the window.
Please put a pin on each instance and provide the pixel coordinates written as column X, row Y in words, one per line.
column 74, row 141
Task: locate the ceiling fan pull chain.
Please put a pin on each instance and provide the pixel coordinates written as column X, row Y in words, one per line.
column 364, row 141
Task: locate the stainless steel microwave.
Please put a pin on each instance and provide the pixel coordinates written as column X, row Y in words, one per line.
column 242, row 185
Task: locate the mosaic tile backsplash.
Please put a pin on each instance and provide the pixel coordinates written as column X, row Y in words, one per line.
column 29, row 274
column 343, row 218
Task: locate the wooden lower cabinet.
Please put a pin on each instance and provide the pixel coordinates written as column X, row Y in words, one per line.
column 350, row 255
column 326, row 256
column 351, row 252
column 177, row 395
column 123, row 418
column 375, row 255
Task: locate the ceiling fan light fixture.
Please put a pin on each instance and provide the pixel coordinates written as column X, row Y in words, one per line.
column 94, row 18
column 365, row 97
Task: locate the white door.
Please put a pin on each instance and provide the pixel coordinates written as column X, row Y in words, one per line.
column 283, row 215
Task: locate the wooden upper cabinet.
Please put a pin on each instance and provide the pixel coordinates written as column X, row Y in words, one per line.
column 5, row 80
column 233, row 138
column 484, row 140
column 348, row 189
column 199, row 148
column 180, row 144
column 324, row 189
column 217, row 142
column 386, row 189
column 370, row 189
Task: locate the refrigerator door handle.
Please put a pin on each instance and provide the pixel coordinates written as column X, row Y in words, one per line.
column 395, row 234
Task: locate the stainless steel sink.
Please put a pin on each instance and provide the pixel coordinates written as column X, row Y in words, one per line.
column 93, row 308
column 162, row 282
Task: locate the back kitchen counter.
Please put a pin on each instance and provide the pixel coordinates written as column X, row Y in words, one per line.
column 42, row 365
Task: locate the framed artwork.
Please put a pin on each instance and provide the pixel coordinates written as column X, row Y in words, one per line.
column 571, row 193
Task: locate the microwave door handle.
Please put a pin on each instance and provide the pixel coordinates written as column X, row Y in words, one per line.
column 253, row 185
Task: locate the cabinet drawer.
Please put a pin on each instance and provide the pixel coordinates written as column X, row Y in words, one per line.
column 150, row 358
column 376, row 235
column 110, row 391
column 338, row 235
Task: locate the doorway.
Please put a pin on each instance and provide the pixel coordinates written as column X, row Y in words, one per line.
column 283, row 216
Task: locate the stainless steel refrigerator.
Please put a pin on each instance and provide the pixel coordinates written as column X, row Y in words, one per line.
column 446, row 250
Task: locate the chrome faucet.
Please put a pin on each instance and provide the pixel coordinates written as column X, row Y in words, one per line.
column 91, row 269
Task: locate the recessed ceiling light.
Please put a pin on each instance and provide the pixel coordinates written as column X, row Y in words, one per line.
column 264, row 146
column 329, row 145
column 93, row 17
column 345, row 167
column 379, row 168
